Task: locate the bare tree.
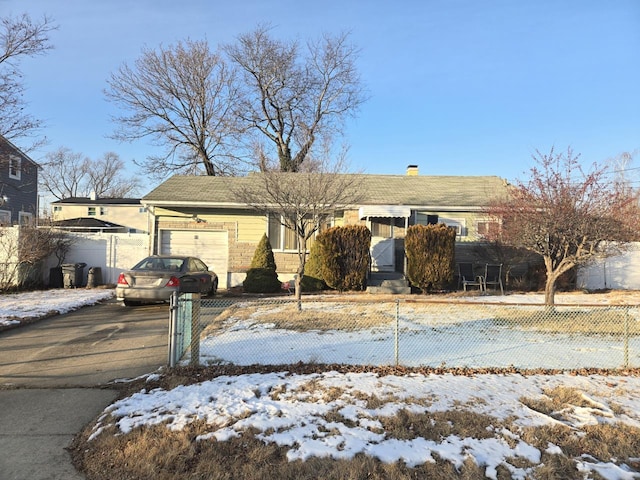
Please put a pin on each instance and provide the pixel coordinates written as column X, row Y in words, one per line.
column 67, row 174
column 295, row 97
column 303, row 202
column 19, row 37
column 107, row 178
column 181, row 98
column 568, row 216
column 624, row 174
column 23, row 252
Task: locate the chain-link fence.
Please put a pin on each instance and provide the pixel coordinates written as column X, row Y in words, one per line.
column 403, row 332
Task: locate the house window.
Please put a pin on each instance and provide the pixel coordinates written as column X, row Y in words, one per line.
column 103, row 211
column 5, row 218
column 91, row 211
column 487, row 228
column 381, row 227
column 25, row 219
column 15, row 169
column 142, row 210
column 388, row 227
column 57, row 208
column 457, row 223
column 283, row 238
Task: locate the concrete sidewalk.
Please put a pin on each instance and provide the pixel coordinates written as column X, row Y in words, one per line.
column 37, row 425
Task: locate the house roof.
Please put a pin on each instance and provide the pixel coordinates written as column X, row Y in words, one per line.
column 98, row 201
column 6, row 147
column 86, row 223
column 411, row 190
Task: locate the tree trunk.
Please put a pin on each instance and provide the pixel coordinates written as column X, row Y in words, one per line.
column 550, row 289
column 302, row 261
column 286, row 162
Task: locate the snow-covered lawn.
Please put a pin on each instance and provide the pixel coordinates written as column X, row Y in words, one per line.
column 16, row 308
column 456, row 333
column 302, row 414
column 292, row 410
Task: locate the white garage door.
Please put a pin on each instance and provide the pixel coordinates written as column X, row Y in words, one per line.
column 211, row 247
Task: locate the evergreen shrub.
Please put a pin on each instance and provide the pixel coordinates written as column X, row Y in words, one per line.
column 430, row 251
column 345, row 257
column 262, row 276
column 312, row 280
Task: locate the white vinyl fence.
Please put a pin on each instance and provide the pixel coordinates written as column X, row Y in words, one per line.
column 9, row 238
column 111, row 252
column 617, row 273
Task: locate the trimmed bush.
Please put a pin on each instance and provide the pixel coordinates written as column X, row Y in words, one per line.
column 430, row 251
column 345, row 257
column 262, row 276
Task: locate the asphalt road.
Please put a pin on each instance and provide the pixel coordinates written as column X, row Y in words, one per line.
column 45, row 369
column 89, row 347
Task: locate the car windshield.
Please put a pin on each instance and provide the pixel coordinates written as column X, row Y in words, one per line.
column 154, row 263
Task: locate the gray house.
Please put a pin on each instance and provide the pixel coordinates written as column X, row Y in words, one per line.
column 18, row 186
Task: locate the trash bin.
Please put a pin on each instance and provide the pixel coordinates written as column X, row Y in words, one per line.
column 55, row 277
column 94, row 277
column 72, row 274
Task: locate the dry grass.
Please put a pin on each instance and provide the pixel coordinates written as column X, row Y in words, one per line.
column 556, row 400
column 437, row 426
column 158, row 453
column 595, row 321
column 241, row 458
column 355, row 316
column 155, row 453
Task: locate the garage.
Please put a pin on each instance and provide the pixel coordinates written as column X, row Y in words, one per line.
column 210, row 246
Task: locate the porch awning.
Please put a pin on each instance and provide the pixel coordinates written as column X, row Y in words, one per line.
column 395, row 211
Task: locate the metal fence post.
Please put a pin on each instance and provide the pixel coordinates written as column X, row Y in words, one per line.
column 173, row 329
column 397, row 339
column 626, row 338
column 195, row 328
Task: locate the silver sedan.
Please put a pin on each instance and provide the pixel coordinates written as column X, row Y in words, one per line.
column 155, row 278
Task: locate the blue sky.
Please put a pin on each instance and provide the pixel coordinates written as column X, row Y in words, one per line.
column 458, row 87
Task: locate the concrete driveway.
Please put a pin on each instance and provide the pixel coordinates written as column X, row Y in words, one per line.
column 55, row 377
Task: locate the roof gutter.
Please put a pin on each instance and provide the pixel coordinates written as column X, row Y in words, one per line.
column 244, row 206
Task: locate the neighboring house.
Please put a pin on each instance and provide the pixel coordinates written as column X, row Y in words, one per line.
column 18, row 186
column 91, row 214
column 199, row 215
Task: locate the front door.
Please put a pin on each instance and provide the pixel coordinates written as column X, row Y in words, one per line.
column 382, row 254
column 382, row 245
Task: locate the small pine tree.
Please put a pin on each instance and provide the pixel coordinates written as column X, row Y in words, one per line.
column 262, row 277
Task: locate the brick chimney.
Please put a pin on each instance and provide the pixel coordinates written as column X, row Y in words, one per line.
column 412, row 169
